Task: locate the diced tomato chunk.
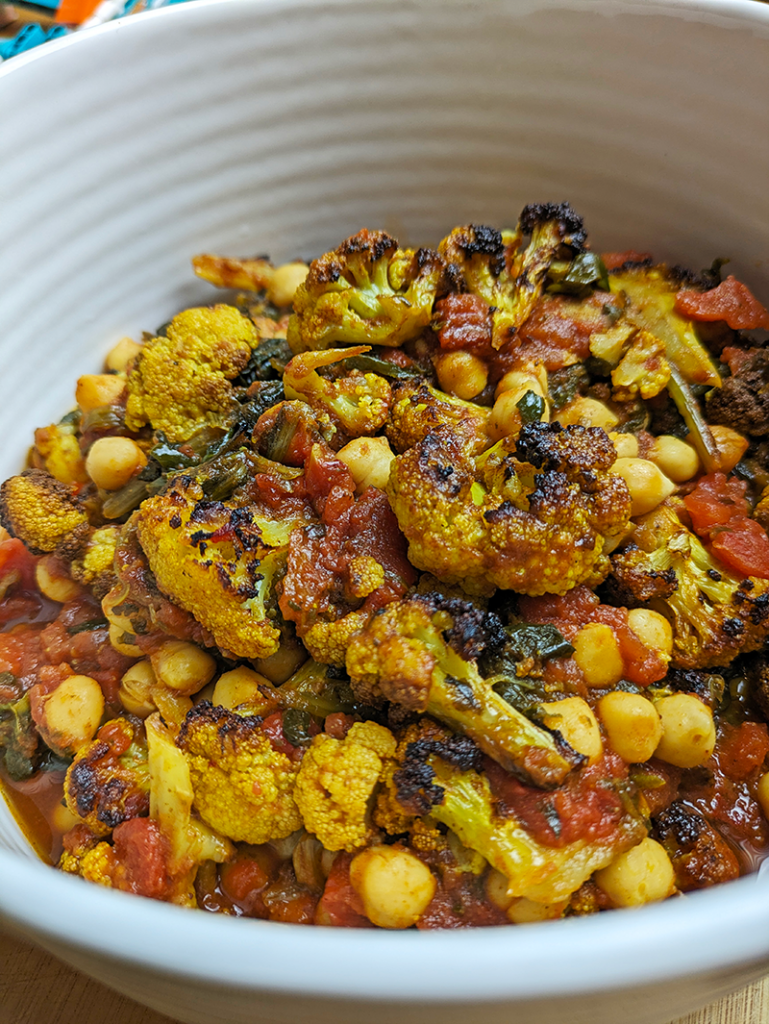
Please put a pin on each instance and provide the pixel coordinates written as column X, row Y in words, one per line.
column 743, row 545
column 719, row 512
column 715, row 500
column 742, row 749
column 731, row 301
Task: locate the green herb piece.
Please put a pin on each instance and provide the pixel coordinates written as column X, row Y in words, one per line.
column 87, row 627
column 296, row 727
column 586, row 271
column 385, row 368
column 543, row 642
column 531, row 407
column 18, row 738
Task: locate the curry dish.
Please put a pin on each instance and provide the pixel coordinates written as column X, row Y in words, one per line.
column 411, row 588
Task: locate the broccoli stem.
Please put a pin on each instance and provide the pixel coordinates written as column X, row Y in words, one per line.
column 541, row 873
column 701, row 436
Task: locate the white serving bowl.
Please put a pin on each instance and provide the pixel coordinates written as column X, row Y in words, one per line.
column 281, row 126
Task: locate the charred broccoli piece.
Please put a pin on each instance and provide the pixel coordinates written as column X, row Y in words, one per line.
column 41, row 511
column 218, row 561
column 420, row 653
column 19, row 743
column 357, row 403
column 715, row 615
column 336, row 783
column 743, row 401
column 243, row 787
column 181, row 381
column 418, row 409
column 109, row 781
column 531, row 515
column 508, row 277
column 367, row 291
column 442, row 780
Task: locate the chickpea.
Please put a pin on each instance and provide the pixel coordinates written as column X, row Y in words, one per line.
column 597, row 653
column 395, row 886
column 52, row 580
column 239, row 686
column 763, row 793
column 120, row 640
column 524, row 911
column 72, row 714
column 688, row 732
column 136, row 689
column 652, row 629
column 281, row 665
column 462, row 374
column 626, row 445
column 731, row 446
column 646, row 482
column 113, row 461
column 121, row 354
column 574, row 719
column 678, row 460
column 369, row 460
column 285, row 280
column 497, row 886
column 182, row 667
column 523, row 381
column 588, row 412
column 63, row 818
column 632, row 725
column 640, row 875
column 94, row 390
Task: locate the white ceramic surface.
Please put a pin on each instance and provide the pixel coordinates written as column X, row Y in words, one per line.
column 280, row 126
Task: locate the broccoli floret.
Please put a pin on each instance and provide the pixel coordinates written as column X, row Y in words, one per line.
column 531, row 515
column 715, row 615
column 182, row 381
column 336, row 783
column 19, row 743
column 218, row 561
column 367, row 291
column 420, row 653
column 109, row 780
column 357, row 403
column 243, row 787
column 508, row 277
column 418, row 409
column 742, row 403
column 41, row 511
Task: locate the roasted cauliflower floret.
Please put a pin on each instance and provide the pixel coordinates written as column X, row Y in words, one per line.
column 418, row 409
column 531, row 515
column 40, row 510
column 367, row 291
column 421, row 653
column 243, row 787
column 94, row 567
column 59, row 448
column 109, row 781
column 357, row 403
column 181, row 382
column 218, row 562
column 715, row 614
column 336, row 783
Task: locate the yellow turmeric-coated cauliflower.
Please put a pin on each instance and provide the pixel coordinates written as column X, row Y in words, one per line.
column 94, row 567
column 418, row 409
column 336, row 783
column 181, row 382
column 243, row 787
column 218, row 562
column 40, row 510
column 531, row 515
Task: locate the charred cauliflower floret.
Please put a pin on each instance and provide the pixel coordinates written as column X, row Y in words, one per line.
column 367, row 291
column 109, row 781
column 218, row 562
column 508, row 277
column 531, row 515
column 94, row 567
column 418, row 409
column 243, row 787
column 181, row 382
column 715, row 614
column 41, row 511
column 336, row 783
column 421, row 653
column 357, row 403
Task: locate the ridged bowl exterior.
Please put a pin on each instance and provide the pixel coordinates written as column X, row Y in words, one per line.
column 281, row 126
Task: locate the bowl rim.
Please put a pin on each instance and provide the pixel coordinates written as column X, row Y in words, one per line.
column 497, row 964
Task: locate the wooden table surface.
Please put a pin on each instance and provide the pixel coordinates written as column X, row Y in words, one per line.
column 35, row 988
